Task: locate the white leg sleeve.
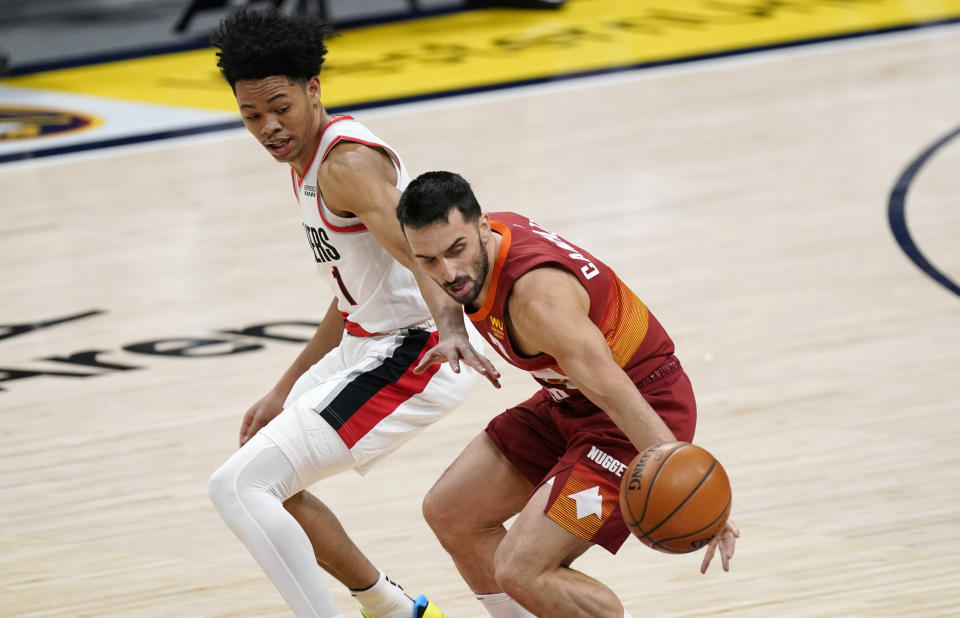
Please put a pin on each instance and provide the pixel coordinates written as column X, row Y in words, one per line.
column 249, row 490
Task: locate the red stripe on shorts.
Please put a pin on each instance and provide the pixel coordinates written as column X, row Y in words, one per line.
column 388, row 399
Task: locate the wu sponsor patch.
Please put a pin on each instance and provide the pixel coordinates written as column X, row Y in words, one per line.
column 496, row 325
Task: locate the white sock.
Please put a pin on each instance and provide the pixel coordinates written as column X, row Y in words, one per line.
column 500, row 605
column 384, row 599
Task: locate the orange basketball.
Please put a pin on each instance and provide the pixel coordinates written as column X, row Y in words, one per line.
column 675, row 497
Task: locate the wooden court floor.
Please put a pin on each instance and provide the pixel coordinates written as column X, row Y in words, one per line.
column 745, row 201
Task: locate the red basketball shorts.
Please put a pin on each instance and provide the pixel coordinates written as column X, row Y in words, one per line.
column 575, row 446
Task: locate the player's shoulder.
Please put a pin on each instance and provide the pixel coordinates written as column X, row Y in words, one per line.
column 544, row 285
column 347, row 161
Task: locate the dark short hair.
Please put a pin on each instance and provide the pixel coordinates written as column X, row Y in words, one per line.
column 255, row 44
column 432, row 196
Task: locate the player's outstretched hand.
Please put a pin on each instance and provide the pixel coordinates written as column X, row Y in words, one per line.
column 455, row 348
column 259, row 414
column 726, row 541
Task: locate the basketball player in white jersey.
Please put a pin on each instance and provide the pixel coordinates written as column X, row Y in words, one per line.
column 367, row 381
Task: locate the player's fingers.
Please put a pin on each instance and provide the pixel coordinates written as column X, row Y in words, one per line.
column 490, row 377
column 483, row 366
column 711, row 548
column 428, row 359
column 489, row 369
column 255, row 426
column 485, row 369
column 731, row 544
column 245, row 427
column 726, row 550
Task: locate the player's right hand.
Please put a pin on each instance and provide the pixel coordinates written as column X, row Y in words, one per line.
column 456, row 348
column 726, row 541
column 259, row 414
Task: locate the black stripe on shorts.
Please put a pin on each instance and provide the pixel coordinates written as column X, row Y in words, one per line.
column 366, row 385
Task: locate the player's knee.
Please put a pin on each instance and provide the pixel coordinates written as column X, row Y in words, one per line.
column 510, row 573
column 437, row 511
column 222, row 489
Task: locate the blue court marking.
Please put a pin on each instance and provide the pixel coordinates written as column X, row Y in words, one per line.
column 135, row 139
column 896, row 213
column 119, row 141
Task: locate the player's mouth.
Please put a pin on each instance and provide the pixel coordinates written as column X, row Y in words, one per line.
column 459, row 289
column 279, row 147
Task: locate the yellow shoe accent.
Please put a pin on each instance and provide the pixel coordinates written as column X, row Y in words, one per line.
column 422, row 608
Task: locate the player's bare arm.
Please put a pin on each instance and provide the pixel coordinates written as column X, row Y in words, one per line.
column 361, row 181
column 327, row 336
column 549, row 312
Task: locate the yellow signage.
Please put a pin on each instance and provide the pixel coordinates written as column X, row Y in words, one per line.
column 475, row 49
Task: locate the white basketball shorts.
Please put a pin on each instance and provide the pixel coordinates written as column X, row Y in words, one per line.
column 365, row 393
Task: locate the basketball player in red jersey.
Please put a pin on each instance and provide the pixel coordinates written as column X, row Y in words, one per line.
column 352, row 396
column 611, row 386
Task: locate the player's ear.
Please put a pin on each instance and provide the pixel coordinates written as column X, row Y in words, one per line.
column 313, row 89
column 484, row 226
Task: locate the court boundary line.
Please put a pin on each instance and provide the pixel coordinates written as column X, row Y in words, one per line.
column 897, row 213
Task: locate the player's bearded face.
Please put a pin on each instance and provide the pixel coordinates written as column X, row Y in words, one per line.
column 466, row 288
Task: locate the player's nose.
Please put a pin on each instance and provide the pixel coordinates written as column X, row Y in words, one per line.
column 271, row 125
column 448, row 270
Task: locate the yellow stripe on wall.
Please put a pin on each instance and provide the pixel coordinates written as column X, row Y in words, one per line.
column 482, row 48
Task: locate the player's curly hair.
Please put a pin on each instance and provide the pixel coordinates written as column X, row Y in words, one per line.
column 255, row 44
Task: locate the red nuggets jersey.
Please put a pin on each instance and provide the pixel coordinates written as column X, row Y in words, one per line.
column 637, row 341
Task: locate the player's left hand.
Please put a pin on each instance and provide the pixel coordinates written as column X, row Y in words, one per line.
column 455, row 348
column 726, row 540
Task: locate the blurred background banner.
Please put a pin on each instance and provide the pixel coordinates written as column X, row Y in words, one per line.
column 150, row 92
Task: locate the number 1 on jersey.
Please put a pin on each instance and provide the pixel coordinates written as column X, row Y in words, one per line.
column 343, row 288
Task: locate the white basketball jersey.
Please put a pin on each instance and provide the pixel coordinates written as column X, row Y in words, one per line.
column 374, row 292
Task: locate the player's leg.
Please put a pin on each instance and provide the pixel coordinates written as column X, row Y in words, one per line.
column 302, row 449
column 530, row 567
column 375, row 404
column 487, row 484
column 339, row 556
column 332, row 547
column 248, row 491
column 467, row 507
